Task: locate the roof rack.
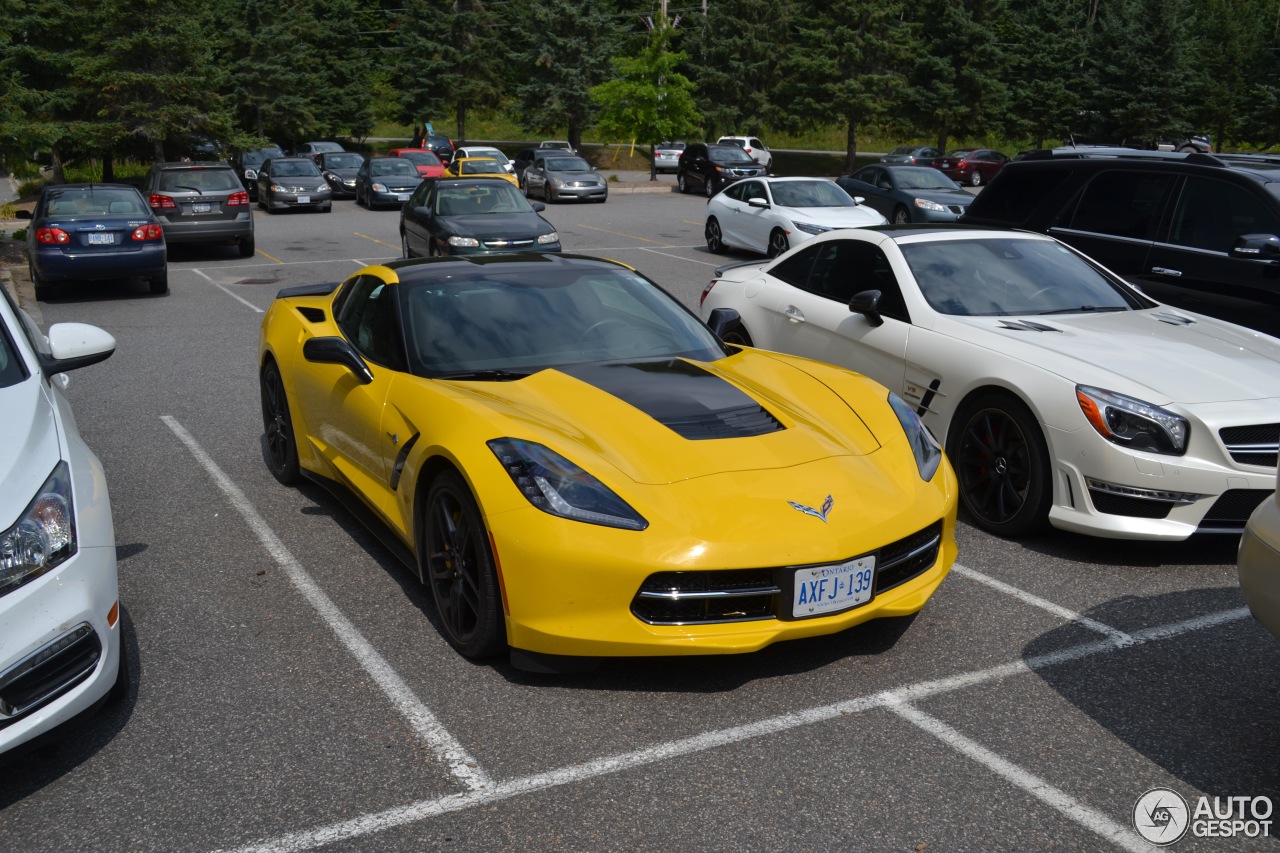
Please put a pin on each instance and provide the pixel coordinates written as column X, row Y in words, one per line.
column 1083, row 152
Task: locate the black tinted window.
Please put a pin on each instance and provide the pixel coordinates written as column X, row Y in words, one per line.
column 1124, row 204
column 367, row 319
column 1213, row 214
column 795, row 269
column 1017, row 196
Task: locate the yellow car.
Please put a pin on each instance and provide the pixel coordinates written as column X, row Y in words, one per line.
column 478, row 167
column 577, row 467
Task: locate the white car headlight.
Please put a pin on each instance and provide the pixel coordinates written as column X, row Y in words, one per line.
column 1132, row 423
column 553, row 237
column 810, row 228
column 465, row 242
column 44, row 536
column 555, row 485
column 925, row 204
column 379, row 188
column 556, row 182
column 923, row 445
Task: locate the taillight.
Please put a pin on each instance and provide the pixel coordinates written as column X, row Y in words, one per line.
column 706, row 290
column 162, row 202
column 147, row 232
column 237, row 199
column 962, row 164
column 52, row 236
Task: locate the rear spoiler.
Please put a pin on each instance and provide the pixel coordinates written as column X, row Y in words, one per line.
column 307, row 290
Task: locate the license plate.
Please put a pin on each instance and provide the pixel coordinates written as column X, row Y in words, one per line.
column 105, row 239
column 201, row 207
column 304, row 199
column 827, row 589
column 402, row 196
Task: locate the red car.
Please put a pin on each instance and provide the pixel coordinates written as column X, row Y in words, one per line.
column 429, row 165
column 974, row 166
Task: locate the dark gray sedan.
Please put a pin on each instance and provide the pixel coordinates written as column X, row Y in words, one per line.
column 291, row 182
column 386, row 181
column 556, row 177
column 472, row 216
column 339, row 169
column 908, row 193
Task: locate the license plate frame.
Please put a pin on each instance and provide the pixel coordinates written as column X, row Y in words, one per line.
column 201, row 207
column 824, row 590
column 101, row 238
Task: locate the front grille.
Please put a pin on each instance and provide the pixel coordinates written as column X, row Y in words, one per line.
column 507, row 244
column 1258, row 444
column 1232, row 509
column 1113, row 504
column 739, row 422
column 47, row 673
column 744, row 595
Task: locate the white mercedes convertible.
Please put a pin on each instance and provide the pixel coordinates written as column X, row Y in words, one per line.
column 1062, row 394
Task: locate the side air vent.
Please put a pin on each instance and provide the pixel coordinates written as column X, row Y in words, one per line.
column 314, row 315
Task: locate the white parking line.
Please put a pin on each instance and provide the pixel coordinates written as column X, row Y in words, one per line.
column 894, row 700
column 1037, row 601
column 1061, row 801
column 429, row 730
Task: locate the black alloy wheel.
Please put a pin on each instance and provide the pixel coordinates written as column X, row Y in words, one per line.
column 282, row 448
column 1002, row 463
column 458, row 566
column 778, row 243
column 715, row 240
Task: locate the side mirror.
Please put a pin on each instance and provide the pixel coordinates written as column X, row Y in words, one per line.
column 337, row 351
column 867, row 303
column 758, row 202
column 73, row 345
column 1262, row 247
column 859, row 199
column 721, row 321
column 538, row 206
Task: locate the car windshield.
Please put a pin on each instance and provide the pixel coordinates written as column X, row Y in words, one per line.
column 489, row 153
column 961, row 152
column 741, row 143
column 343, row 161
column 996, row 276
column 392, row 166
column 562, row 145
column 730, row 154
column 489, row 320
column 75, row 202
column 903, row 151
column 670, row 146
column 924, row 179
column 295, row 169
column 473, row 200
column 421, row 158
column 809, row 194
column 479, row 167
column 325, row 146
column 568, row 164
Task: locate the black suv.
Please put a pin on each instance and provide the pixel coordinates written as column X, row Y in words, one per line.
column 1201, row 231
column 711, row 168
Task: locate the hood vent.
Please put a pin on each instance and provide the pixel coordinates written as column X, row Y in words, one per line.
column 1174, row 319
column 1027, row 326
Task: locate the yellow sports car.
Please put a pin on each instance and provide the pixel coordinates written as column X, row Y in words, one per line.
column 577, row 467
column 478, row 167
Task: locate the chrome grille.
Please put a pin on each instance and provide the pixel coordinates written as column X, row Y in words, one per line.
column 1258, row 444
column 508, row 244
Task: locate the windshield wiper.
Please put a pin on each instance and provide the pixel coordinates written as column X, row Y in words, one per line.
column 1086, row 308
column 193, row 189
column 494, row 373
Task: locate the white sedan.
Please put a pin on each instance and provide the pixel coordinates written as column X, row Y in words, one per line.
column 1061, row 393
column 770, row 215
column 60, row 638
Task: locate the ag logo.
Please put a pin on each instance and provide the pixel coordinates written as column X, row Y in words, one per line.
column 1161, row 816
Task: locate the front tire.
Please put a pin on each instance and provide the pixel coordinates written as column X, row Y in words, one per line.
column 901, row 216
column 682, row 184
column 1002, row 464
column 711, row 187
column 778, row 243
column 404, row 245
column 277, row 423
column 458, row 566
column 715, row 240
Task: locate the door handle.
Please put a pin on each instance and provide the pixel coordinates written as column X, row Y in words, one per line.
column 1166, row 271
column 794, row 314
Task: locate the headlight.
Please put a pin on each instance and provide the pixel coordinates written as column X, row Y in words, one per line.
column 925, row 204
column 276, row 188
column 810, row 228
column 1133, row 423
column 553, row 237
column 923, row 445
column 44, row 536
column 465, row 242
column 557, row 182
column 379, row 188
column 555, row 485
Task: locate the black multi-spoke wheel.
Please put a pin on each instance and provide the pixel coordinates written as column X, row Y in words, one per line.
column 1001, row 461
column 458, row 567
column 715, row 240
column 282, row 449
column 778, row 243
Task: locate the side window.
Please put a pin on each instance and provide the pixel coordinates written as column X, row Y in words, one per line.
column 746, row 190
column 1123, row 204
column 1213, row 214
column 419, row 197
column 1016, row 200
column 845, row 268
column 367, row 319
column 795, row 269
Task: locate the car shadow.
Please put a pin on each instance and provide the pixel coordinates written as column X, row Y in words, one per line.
column 101, row 291
column 1200, row 550
column 46, row 759
column 191, row 252
column 1201, row 706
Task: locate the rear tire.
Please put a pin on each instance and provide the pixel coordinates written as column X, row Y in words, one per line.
column 247, row 248
column 42, row 288
column 160, row 285
column 739, row 337
column 975, row 179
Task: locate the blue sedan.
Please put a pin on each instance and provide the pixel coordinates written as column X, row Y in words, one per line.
column 907, row 193
column 94, row 232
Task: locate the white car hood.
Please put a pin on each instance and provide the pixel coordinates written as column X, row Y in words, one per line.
column 1150, row 354
column 29, row 446
column 835, row 217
